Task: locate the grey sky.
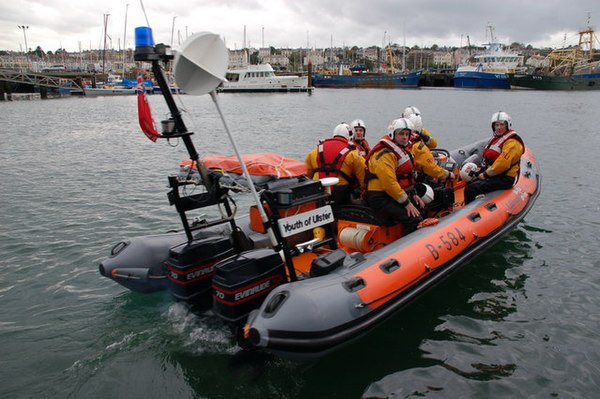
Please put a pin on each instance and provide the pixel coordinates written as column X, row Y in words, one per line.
column 77, row 24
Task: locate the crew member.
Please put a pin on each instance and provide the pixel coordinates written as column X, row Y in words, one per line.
column 338, row 157
column 427, row 137
column 425, row 162
column 391, row 178
column 501, row 159
column 359, row 130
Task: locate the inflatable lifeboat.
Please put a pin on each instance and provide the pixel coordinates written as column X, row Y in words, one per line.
column 294, row 274
column 332, row 275
column 310, row 317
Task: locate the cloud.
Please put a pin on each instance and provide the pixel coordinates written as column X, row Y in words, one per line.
column 282, row 23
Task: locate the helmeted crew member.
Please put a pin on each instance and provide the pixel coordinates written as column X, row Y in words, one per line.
column 425, row 162
column 338, row 157
column 360, row 130
column 391, row 178
column 501, row 159
column 426, row 136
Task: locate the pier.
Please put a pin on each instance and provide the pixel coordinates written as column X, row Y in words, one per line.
column 73, row 81
column 441, row 78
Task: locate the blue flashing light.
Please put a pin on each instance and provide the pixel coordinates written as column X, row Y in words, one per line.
column 143, row 37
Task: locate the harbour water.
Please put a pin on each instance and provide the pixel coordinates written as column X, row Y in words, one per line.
column 77, row 176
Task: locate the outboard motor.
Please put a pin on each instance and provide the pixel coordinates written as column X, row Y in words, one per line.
column 241, row 283
column 190, row 268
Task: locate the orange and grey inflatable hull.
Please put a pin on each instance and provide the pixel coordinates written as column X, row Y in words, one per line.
column 308, row 318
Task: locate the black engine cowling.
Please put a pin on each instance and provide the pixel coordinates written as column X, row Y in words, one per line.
column 190, row 268
column 241, row 283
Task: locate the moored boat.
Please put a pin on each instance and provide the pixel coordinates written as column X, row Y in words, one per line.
column 262, row 78
column 490, row 69
column 388, row 75
column 540, row 81
column 571, row 68
column 476, row 78
column 369, row 80
column 116, row 86
column 108, row 91
column 291, row 275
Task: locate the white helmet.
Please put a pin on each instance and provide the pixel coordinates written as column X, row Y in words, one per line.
column 408, row 111
column 425, row 192
column 344, row 130
column 502, row 116
column 399, row 124
column 417, row 122
column 358, row 123
column 468, row 171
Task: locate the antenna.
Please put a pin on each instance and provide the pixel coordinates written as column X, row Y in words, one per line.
column 145, row 15
column 172, row 30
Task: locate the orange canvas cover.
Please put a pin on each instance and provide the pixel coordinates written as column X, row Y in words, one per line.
column 263, row 164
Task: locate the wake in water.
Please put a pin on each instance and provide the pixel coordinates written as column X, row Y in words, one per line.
column 201, row 332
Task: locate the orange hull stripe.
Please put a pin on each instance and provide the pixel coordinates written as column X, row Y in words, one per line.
column 442, row 245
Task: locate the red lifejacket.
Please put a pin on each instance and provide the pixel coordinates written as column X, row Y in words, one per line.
column 405, row 162
column 414, row 138
column 362, row 147
column 493, row 149
column 330, row 157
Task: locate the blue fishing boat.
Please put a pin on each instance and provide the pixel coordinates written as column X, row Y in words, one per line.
column 479, row 79
column 369, row 80
column 490, row 69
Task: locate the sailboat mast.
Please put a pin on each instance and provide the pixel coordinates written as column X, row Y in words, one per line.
column 173, row 30
column 125, row 38
column 104, row 48
column 403, row 48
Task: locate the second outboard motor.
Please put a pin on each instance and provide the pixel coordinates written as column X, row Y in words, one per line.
column 190, row 268
column 242, row 282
